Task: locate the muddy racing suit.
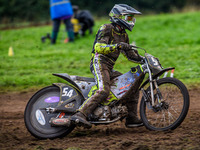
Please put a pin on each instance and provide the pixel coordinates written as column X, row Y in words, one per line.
column 106, row 50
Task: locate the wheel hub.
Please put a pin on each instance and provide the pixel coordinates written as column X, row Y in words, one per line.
column 161, row 106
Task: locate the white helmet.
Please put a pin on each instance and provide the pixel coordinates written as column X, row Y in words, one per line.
column 123, row 15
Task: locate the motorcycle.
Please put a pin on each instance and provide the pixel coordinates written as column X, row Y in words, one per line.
column 163, row 106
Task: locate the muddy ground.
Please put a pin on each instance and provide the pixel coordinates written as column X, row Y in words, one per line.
column 13, row 134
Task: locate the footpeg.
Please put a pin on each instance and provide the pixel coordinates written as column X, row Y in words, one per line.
column 60, row 122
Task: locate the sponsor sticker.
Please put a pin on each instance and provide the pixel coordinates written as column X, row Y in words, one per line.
column 70, row 105
column 53, row 99
column 40, row 117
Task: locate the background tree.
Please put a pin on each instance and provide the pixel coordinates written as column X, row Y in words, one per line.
column 12, row 11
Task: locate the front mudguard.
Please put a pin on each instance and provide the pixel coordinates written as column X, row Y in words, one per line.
column 70, row 98
column 157, row 75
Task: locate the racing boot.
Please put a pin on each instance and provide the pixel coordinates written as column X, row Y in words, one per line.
column 80, row 118
column 132, row 119
column 133, row 122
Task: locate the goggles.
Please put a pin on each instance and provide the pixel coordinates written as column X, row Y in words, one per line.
column 129, row 18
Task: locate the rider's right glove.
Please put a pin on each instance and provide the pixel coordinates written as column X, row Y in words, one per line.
column 124, row 46
column 142, row 59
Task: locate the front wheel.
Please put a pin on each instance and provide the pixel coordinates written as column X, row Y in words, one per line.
column 169, row 112
column 37, row 119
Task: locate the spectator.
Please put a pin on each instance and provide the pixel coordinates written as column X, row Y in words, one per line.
column 85, row 19
column 61, row 10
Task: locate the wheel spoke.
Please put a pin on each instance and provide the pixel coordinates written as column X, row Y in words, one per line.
column 174, row 111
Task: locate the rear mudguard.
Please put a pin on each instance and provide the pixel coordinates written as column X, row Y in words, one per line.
column 82, row 84
column 157, row 75
column 66, row 77
column 71, row 96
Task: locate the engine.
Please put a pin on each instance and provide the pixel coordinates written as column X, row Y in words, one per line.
column 106, row 113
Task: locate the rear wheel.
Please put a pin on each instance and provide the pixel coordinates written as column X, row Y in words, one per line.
column 169, row 113
column 37, row 119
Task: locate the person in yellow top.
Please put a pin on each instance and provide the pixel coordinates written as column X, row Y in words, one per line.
column 85, row 19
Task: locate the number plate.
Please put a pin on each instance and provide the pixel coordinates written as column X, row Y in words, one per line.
column 68, row 93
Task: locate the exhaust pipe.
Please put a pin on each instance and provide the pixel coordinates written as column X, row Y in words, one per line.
column 60, row 122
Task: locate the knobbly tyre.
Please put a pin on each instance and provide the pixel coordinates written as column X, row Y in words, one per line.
column 164, row 104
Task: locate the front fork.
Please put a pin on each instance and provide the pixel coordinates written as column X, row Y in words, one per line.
column 153, row 83
column 159, row 95
column 150, row 95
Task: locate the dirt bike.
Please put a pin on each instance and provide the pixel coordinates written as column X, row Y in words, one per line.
column 163, row 106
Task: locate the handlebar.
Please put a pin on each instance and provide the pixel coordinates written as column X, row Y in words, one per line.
column 136, row 47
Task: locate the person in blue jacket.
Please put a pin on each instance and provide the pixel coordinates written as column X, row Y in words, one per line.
column 61, row 10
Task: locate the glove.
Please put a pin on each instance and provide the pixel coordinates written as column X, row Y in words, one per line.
column 123, row 46
column 140, row 57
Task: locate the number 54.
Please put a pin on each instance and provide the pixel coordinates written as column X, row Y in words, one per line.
column 66, row 92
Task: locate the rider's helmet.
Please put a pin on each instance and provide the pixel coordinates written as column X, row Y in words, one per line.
column 123, row 15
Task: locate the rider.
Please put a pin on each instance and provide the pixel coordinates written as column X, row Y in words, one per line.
column 111, row 39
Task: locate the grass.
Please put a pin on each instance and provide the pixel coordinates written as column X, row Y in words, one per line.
column 173, row 38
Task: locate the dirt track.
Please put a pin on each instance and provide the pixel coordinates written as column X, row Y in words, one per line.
column 13, row 134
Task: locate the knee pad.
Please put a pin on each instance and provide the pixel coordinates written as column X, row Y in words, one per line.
column 103, row 93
